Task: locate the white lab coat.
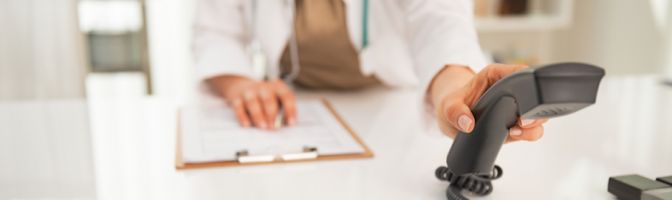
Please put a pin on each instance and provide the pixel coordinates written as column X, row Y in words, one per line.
column 409, row 40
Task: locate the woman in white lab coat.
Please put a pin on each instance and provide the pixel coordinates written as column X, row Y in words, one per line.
column 345, row 44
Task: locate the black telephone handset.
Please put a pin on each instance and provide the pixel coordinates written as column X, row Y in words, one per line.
column 541, row 92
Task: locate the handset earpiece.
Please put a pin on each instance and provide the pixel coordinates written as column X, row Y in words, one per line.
column 541, row 92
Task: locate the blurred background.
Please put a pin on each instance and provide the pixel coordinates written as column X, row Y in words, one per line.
column 54, row 54
column 51, row 49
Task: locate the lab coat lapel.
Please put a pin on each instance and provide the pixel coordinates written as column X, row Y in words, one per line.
column 273, row 26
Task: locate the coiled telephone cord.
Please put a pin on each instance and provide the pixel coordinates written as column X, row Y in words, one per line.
column 478, row 184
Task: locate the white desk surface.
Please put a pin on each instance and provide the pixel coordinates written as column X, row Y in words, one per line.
column 629, row 130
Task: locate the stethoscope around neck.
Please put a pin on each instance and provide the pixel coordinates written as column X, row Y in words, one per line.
column 259, row 60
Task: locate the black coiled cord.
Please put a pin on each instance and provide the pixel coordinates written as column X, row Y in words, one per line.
column 477, row 184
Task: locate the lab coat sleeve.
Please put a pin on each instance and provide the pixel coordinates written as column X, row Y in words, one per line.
column 219, row 39
column 442, row 32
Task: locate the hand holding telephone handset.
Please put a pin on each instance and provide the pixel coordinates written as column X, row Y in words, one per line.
column 541, row 92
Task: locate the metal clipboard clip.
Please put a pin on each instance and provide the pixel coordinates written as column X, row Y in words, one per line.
column 308, row 153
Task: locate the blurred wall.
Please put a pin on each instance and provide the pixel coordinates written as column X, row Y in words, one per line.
column 624, row 36
column 41, row 51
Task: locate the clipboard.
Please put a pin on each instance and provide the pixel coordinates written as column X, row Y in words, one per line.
column 309, row 154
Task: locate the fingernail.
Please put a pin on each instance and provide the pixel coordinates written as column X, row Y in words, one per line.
column 464, row 123
column 516, row 131
column 526, row 122
column 292, row 121
column 263, row 125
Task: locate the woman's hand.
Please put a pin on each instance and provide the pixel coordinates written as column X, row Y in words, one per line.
column 456, row 89
column 256, row 102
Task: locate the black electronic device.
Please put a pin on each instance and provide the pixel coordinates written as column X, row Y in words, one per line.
column 539, row 92
column 636, row 187
column 665, row 179
column 632, row 186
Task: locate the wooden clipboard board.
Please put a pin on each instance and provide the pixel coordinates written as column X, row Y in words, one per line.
column 180, row 165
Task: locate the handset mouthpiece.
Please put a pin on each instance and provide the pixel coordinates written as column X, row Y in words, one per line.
column 546, row 91
column 564, row 88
